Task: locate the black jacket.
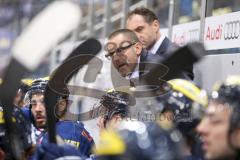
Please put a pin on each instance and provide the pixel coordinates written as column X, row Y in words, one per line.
column 165, row 50
column 148, row 61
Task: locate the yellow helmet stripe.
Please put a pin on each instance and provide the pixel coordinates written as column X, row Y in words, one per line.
column 189, row 90
column 27, row 81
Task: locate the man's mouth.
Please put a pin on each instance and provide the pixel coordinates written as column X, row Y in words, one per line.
column 205, row 145
column 121, row 65
column 40, row 118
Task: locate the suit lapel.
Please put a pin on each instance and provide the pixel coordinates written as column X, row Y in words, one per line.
column 163, row 47
column 143, row 59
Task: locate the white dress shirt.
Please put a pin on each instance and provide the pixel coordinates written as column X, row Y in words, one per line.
column 156, row 45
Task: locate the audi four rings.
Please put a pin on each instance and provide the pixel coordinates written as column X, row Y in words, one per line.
column 232, row 30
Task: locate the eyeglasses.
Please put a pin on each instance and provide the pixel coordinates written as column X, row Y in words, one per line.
column 111, row 48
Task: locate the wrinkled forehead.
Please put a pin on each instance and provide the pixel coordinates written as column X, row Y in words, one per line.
column 120, row 38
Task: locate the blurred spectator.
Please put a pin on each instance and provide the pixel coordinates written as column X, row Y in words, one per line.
column 221, row 121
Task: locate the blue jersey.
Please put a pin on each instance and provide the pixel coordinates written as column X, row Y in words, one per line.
column 74, row 133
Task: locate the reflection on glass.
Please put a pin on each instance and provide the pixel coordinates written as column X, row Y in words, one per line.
column 220, row 7
column 161, row 8
column 187, row 11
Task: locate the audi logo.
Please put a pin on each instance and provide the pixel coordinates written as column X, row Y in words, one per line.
column 232, row 30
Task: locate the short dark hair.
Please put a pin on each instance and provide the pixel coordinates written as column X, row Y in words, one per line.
column 126, row 32
column 148, row 15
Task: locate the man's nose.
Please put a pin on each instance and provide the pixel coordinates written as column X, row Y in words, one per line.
column 39, row 106
column 139, row 35
column 117, row 53
column 202, row 127
column 116, row 57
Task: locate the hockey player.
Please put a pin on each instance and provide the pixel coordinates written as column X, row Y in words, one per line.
column 71, row 132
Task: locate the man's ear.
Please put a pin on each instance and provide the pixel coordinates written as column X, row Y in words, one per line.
column 156, row 25
column 138, row 48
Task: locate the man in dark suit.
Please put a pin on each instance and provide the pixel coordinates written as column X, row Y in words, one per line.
column 146, row 25
column 131, row 60
column 127, row 53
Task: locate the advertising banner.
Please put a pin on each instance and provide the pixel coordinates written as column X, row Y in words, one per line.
column 222, row 32
column 187, row 32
